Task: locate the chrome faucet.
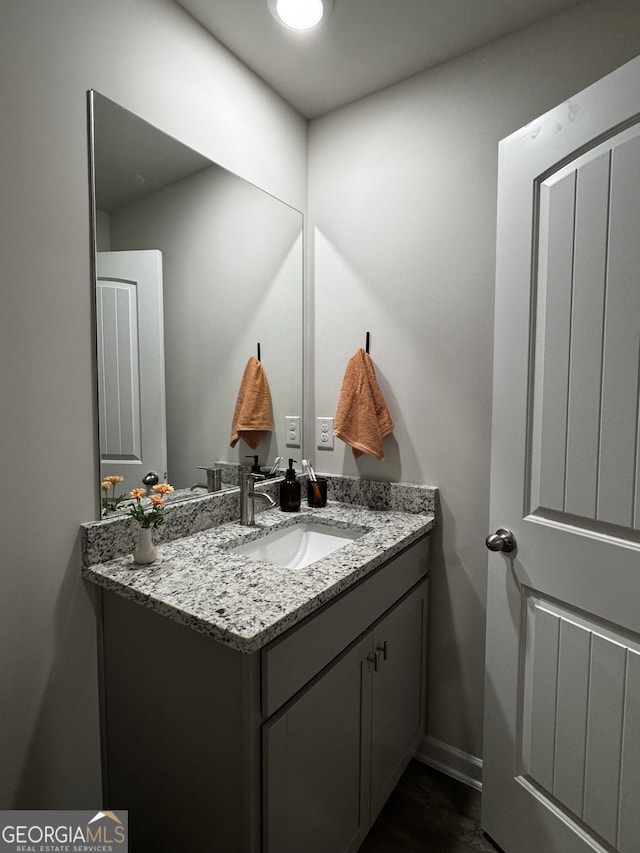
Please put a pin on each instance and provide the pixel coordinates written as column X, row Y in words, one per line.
column 248, row 496
column 214, row 479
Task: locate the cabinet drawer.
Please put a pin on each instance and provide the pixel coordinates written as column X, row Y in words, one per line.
column 295, row 658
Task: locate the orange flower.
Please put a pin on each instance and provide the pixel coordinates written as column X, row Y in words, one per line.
column 163, row 489
column 138, row 493
column 113, row 479
column 105, row 485
column 156, row 500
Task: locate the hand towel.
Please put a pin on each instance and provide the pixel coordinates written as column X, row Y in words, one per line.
column 252, row 416
column 362, row 417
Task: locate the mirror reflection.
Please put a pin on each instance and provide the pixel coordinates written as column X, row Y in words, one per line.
column 195, row 267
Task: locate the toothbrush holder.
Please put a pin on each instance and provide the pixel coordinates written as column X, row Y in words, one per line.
column 317, row 492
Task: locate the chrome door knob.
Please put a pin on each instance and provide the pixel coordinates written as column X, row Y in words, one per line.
column 501, row 540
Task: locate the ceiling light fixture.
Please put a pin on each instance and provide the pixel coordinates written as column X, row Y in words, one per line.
column 300, row 14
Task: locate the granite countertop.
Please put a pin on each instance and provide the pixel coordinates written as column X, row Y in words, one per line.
column 243, row 602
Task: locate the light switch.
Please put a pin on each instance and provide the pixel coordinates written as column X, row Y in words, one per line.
column 324, row 433
column 292, row 430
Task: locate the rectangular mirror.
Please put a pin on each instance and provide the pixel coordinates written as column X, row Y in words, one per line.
column 195, row 267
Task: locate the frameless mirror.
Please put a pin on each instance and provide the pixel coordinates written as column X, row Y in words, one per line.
column 195, row 268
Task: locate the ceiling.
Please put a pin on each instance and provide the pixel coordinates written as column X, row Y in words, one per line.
column 364, row 46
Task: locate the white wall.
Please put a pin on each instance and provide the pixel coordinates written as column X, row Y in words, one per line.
column 155, row 60
column 402, row 200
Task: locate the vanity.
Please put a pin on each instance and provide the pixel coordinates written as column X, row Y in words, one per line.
column 249, row 703
column 255, row 708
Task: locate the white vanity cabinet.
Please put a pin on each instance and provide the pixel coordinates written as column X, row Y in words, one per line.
column 292, row 748
column 334, row 753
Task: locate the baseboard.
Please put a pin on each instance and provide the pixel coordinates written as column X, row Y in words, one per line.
column 452, row 761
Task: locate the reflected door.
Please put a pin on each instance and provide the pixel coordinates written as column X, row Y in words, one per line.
column 131, row 366
column 562, row 698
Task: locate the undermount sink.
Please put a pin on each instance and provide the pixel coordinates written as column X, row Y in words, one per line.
column 298, row 546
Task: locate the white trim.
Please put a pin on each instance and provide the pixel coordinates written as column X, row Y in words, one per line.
column 452, row 761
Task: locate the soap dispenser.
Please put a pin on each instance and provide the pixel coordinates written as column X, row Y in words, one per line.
column 290, row 490
column 255, row 468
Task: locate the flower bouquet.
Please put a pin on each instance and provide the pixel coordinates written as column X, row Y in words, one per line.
column 110, row 503
column 150, row 514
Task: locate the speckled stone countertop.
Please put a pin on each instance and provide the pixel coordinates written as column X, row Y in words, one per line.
column 243, row 602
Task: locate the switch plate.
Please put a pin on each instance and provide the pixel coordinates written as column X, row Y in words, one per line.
column 292, row 430
column 324, row 433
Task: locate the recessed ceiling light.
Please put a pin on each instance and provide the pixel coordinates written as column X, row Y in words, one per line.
column 300, row 14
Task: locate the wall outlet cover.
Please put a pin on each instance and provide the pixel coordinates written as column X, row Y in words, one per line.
column 293, row 430
column 324, row 433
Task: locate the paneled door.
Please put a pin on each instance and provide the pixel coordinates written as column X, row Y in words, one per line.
column 131, row 388
column 562, row 700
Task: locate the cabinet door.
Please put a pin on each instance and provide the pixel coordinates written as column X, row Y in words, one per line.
column 397, row 708
column 314, row 797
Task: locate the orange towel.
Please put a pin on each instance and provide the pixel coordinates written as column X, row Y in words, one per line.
column 362, row 417
column 252, row 417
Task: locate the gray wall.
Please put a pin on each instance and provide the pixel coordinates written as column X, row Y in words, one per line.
column 155, row 60
column 402, row 243
column 402, row 201
column 232, row 276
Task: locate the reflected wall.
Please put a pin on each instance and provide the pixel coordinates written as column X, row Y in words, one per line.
column 232, row 278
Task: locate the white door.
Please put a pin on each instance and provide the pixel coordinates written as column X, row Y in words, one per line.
column 131, row 392
column 562, row 703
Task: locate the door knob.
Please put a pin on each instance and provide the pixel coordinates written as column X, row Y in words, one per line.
column 501, row 540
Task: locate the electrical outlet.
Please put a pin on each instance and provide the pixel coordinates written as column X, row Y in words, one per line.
column 324, row 433
column 292, row 430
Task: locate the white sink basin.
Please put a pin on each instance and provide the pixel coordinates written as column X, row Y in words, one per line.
column 297, row 546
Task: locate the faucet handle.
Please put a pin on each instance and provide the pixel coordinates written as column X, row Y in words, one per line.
column 250, row 476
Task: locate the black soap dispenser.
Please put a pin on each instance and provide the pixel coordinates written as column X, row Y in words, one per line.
column 290, row 490
column 255, row 468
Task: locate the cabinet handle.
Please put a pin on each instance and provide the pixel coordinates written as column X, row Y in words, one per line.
column 375, row 660
column 384, row 648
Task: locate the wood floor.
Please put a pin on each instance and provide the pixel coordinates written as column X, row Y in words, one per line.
column 429, row 813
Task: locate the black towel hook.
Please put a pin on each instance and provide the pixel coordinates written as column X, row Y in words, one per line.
column 366, row 347
column 258, row 350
